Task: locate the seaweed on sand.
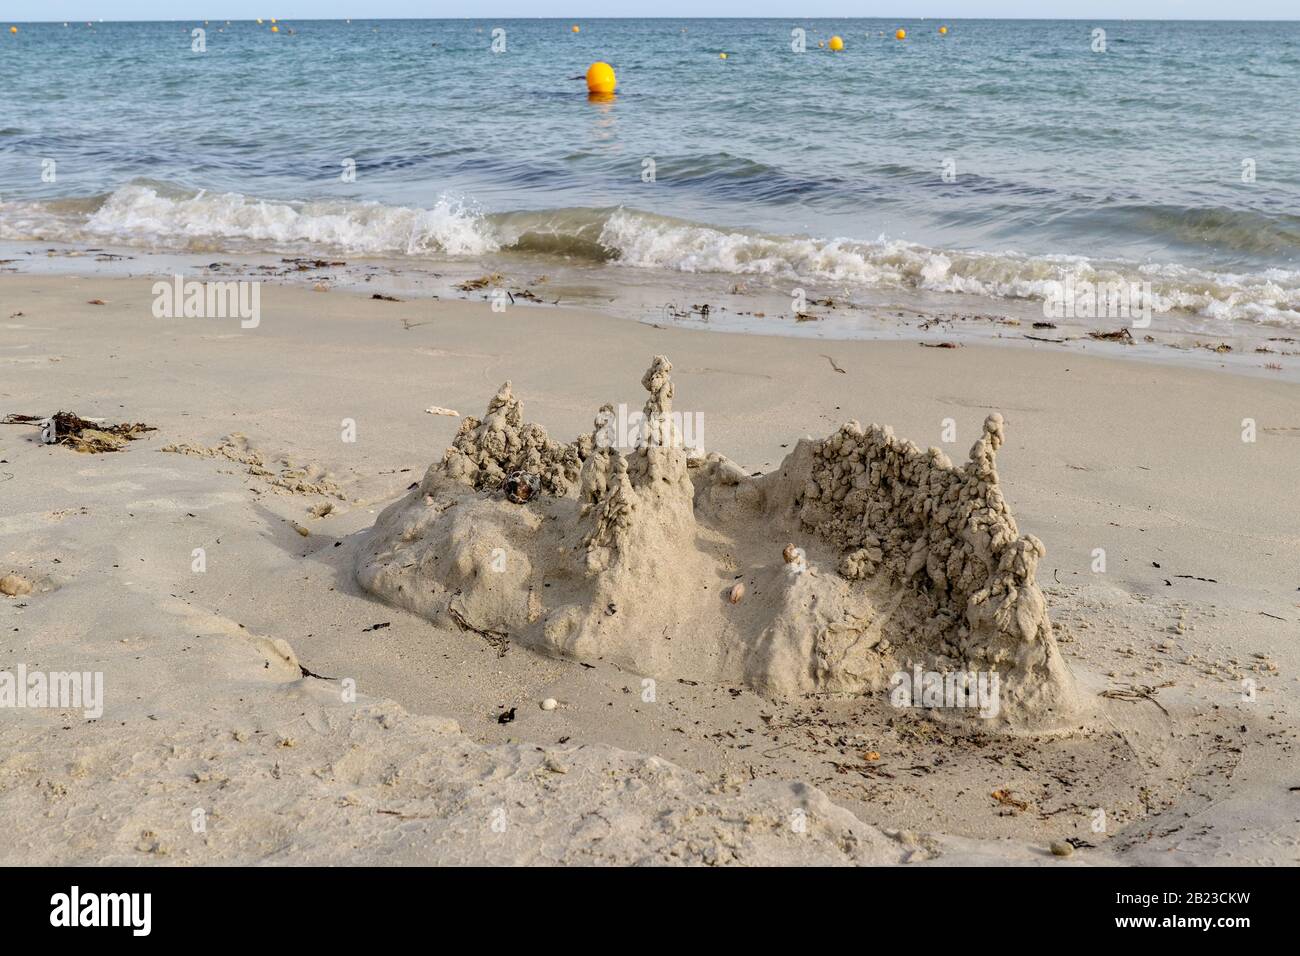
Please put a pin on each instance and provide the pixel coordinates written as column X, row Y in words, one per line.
column 80, row 434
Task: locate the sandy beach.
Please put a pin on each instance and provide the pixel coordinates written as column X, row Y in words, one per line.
column 229, row 732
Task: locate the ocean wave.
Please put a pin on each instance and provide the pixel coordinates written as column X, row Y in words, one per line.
column 154, row 216
column 647, row 241
column 158, row 216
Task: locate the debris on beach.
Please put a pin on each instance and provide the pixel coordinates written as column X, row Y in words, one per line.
column 385, row 298
column 1008, row 799
column 671, row 311
column 439, row 410
column 304, row 265
column 1119, row 335
column 482, row 282
column 81, row 434
column 1138, row 692
column 15, row 585
column 496, row 280
column 498, row 639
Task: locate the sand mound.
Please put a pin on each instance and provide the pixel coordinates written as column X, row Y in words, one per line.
column 907, row 574
column 281, row 473
column 378, row 786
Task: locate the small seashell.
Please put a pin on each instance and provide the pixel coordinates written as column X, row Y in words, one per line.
column 550, row 703
column 790, row 554
column 300, row 529
column 1061, row 848
column 521, row 487
column 737, row 592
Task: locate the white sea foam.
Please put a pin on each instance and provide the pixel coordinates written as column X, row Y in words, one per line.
column 142, row 215
column 653, row 242
column 156, row 217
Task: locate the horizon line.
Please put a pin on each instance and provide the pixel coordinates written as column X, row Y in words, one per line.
column 679, row 19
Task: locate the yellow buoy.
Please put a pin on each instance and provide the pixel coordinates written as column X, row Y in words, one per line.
column 722, row 56
column 837, row 43
column 13, row 29
column 943, row 29
column 600, row 78
column 275, row 29
column 273, row 20
column 577, row 29
column 901, row 34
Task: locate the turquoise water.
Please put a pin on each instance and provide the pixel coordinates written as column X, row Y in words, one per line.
column 768, row 163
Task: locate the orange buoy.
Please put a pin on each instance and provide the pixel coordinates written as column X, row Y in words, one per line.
column 600, row 78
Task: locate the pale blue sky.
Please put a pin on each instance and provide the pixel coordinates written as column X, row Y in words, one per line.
column 18, row 11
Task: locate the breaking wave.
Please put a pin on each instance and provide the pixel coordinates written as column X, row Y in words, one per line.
column 155, row 216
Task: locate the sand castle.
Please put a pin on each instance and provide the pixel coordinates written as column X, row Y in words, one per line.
column 860, row 557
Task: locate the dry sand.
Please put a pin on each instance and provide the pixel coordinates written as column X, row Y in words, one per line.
column 210, row 714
